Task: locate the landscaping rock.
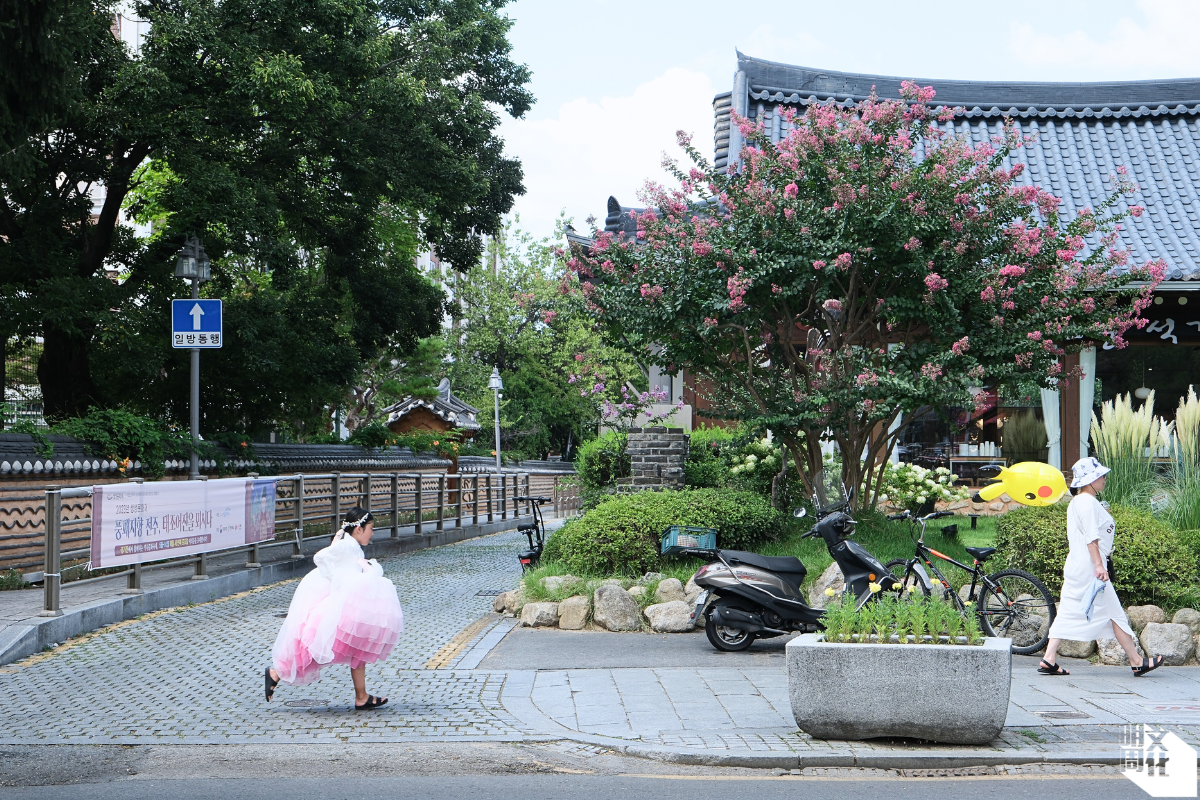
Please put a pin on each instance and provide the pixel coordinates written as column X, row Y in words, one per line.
column 539, row 615
column 613, row 582
column 1069, row 648
column 514, row 600
column 573, row 612
column 1172, row 642
column 671, row 617
column 1189, row 617
column 558, row 583
column 637, row 591
column 691, row 591
column 616, row 610
column 669, row 591
column 831, row 578
column 498, row 602
column 651, row 577
column 1141, row 616
column 1112, row 654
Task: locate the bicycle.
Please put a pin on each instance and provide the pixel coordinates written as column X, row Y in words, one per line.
column 534, row 531
column 1011, row 603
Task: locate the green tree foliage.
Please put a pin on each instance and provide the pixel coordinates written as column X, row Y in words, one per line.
column 512, row 314
column 300, row 141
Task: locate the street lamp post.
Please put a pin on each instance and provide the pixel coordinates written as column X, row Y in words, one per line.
column 497, row 386
column 193, row 265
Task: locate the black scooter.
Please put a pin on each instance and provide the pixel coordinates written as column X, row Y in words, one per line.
column 748, row 596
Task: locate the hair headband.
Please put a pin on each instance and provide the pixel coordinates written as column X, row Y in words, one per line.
column 350, row 525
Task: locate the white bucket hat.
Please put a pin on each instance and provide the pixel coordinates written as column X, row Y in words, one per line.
column 1085, row 471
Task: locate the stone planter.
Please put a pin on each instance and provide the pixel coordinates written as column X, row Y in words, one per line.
column 943, row 693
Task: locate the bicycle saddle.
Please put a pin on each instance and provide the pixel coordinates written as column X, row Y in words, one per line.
column 527, row 527
column 982, row 553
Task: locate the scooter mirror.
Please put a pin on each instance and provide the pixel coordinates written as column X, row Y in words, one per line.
column 800, row 512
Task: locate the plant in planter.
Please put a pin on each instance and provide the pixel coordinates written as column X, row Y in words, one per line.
column 900, row 669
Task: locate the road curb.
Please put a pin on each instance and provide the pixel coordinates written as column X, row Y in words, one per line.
column 32, row 635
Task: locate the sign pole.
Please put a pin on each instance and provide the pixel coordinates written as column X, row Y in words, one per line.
column 194, row 471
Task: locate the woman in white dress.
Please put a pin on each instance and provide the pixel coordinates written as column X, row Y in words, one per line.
column 1090, row 531
column 343, row 612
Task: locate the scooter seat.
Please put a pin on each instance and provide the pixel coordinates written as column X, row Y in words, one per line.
column 982, row 553
column 781, row 564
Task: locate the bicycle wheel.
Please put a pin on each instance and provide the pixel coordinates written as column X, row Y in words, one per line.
column 1017, row 605
column 899, row 570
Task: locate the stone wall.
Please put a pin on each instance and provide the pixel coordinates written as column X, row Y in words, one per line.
column 656, row 458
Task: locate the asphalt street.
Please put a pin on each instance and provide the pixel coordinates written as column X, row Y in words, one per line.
column 493, row 771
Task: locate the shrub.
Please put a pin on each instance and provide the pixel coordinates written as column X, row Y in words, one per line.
column 599, row 464
column 121, row 435
column 709, row 453
column 1025, row 438
column 1151, row 562
column 911, row 486
column 622, row 535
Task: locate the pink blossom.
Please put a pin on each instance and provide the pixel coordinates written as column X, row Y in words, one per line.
column 701, row 248
column 776, row 288
column 1035, row 335
column 548, row 316
column 788, row 213
column 932, row 371
column 842, row 262
column 832, row 305
column 790, row 190
column 961, row 346
column 818, row 264
column 651, row 293
column 988, row 294
column 737, row 286
column 1137, row 211
column 866, row 379
column 1011, row 271
column 912, row 244
column 935, row 282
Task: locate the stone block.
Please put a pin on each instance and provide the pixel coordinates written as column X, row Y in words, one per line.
column 539, row 615
column 637, row 592
column 513, row 601
column 669, row 591
column 1173, row 642
column 498, row 602
column 943, row 693
column 559, row 583
column 615, row 609
column 1070, row 648
column 1189, row 617
column 1141, row 616
column 672, row 617
column 573, row 612
column 1112, row 654
column 830, row 578
column 691, row 591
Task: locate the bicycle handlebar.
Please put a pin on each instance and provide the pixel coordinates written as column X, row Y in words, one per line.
column 895, row 517
column 539, row 500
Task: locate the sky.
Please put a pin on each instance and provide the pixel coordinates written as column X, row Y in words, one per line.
column 615, row 80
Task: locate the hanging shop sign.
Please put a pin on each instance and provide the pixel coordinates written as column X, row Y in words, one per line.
column 137, row 522
column 1174, row 320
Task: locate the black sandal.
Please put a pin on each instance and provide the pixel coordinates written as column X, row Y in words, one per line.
column 1046, row 668
column 1149, row 664
column 271, row 684
column 372, row 702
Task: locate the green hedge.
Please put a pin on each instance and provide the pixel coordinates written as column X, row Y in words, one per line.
column 599, row 463
column 1152, row 562
column 622, row 535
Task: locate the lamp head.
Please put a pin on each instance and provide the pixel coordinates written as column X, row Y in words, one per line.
column 494, row 382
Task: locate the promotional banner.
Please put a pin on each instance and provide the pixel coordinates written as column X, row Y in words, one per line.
column 138, row 522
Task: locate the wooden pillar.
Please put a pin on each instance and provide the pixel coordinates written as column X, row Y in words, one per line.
column 1069, row 412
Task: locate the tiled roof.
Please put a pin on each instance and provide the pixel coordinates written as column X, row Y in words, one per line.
column 445, row 406
column 1084, row 132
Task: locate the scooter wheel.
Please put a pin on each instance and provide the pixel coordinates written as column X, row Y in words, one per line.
column 728, row 640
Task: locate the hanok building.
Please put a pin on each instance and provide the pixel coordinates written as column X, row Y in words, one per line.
column 1084, row 132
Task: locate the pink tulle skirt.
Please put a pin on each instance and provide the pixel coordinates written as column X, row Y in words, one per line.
column 356, row 623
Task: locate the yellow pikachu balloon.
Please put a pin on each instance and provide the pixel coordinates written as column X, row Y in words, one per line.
column 1030, row 483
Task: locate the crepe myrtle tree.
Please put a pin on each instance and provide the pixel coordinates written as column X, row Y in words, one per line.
column 869, row 264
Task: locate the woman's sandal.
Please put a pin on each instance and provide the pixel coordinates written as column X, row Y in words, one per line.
column 1149, row 664
column 372, row 702
column 271, row 684
column 1046, row 668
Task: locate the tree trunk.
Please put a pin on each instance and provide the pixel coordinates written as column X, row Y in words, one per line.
column 65, row 375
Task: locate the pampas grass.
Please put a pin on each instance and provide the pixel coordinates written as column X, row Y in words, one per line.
column 1184, row 482
column 1125, row 440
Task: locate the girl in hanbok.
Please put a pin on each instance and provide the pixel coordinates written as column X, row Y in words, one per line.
column 343, row 612
column 1090, row 531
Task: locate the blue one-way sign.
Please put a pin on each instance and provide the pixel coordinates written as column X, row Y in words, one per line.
column 196, row 323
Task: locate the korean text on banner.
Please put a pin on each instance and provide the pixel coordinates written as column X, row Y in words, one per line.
column 138, row 522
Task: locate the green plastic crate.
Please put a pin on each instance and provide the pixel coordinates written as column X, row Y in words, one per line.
column 679, row 539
